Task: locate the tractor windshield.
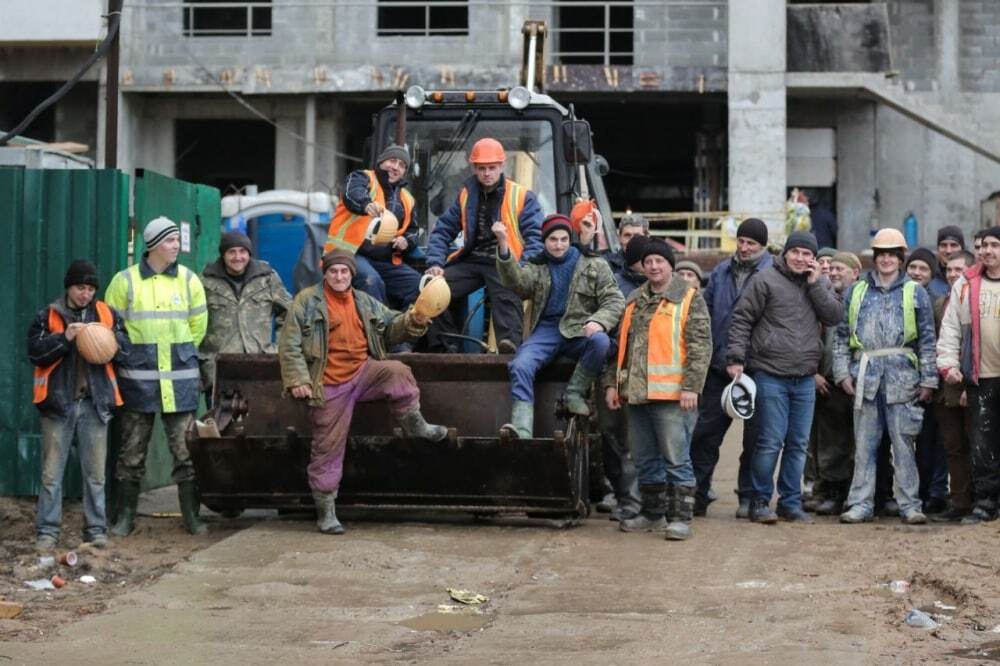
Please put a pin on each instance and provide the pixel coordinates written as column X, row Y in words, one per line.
column 440, row 149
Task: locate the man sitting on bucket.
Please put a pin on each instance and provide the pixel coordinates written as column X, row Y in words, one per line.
column 332, row 352
column 575, row 301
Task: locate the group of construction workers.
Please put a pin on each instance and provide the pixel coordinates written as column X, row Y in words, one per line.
column 797, row 345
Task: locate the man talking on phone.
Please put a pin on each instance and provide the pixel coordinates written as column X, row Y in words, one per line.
column 776, row 323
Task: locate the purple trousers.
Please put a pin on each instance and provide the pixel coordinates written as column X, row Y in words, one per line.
column 377, row 380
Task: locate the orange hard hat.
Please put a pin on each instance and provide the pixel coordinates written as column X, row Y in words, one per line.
column 581, row 210
column 487, row 151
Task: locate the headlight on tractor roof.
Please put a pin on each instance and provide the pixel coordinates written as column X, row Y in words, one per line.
column 415, row 97
column 519, row 98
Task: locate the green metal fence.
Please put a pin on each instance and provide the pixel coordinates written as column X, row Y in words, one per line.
column 48, row 218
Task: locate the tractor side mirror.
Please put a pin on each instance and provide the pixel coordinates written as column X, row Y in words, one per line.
column 603, row 167
column 577, row 146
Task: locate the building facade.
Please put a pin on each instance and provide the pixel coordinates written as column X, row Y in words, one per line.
column 880, row 109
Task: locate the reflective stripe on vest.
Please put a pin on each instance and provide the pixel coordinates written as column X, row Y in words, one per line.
column 57, row 325
column 858, row 292
column 514, row 196
column 348, row 230
column 666, row 351
column 158, row 312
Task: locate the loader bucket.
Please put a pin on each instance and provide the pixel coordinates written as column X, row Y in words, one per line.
column 259, row 460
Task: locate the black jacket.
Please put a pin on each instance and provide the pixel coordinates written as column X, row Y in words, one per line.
column 356, row 199
column 45, row 348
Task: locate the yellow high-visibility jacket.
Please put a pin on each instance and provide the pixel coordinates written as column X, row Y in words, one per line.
column 165, row 317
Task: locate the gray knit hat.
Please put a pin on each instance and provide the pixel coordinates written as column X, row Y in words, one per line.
column 159, row 230
column 394, row 151
column 802, row 239
column 689, row 265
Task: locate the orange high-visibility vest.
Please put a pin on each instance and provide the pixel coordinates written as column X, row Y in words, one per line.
column 347, row 230
column 667, row 349
column 57, row 325
column 510, row 210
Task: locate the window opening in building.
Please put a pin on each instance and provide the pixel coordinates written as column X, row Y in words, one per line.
column 590, row 34
column 226, row 154
column 419, row 18
column 215, row 18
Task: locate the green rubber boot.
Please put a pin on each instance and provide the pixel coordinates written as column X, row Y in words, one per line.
column 576, row 391
column 128, row 501
column 187, row 494
column 522, row 420
column 414, row 425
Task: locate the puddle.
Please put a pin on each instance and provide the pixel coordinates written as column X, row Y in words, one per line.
column 447, row 622
column 989, row 651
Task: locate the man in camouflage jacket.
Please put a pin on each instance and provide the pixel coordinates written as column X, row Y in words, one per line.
column 243, row 295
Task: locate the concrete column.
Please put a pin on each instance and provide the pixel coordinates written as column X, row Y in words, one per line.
column 857, row 173
column 310, row 143
column 946, row 44
column 757, row 110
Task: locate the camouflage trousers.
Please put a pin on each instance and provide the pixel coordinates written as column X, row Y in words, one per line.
column 137, row 430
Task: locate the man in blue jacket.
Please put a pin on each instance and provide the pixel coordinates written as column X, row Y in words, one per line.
column 487, row 197
column 725, row 286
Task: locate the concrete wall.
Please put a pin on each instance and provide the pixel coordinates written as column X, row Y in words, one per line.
column 51, row 21
column 979, row 46
column 757, row 110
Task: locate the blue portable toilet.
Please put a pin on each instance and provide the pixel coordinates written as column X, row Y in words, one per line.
column 287, row 229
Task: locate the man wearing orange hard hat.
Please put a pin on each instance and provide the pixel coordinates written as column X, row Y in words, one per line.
column 486, row 197
column 76, row 398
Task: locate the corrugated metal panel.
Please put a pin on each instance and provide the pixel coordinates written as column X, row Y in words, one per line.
column 200, row 208
column 47, row 219
column 197, row 208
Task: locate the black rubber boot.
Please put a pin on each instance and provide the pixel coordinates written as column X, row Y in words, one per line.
column 679, row 527
column 128, row 500
column 654, row 507
column 187, row 494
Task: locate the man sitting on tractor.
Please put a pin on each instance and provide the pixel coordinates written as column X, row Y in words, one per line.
column 575, row 302
column 487, row 197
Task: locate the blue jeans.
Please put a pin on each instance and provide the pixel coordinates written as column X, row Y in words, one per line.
column 386, row 282
column 902, row 421
column 659, row 435
column 543, row 346
column 785, row 409
column 92, row 445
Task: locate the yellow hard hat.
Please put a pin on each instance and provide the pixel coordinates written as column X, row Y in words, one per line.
column 887, row 239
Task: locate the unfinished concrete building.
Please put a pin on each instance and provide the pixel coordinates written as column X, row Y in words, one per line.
column 879, row 108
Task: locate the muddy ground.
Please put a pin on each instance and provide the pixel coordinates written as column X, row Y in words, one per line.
column 273, row 590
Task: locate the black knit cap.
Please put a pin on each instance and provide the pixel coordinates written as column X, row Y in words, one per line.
column 657, row 246
column 754, row 229
column 802, row 239
column 81, row 271
column 232, row 239
column 635, row 248
column 951, row 232
column 924, row 255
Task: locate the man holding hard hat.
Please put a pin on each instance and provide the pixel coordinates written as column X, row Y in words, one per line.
column 332, row 350
column 76, row 391
column 370, row 195
column 487, row 197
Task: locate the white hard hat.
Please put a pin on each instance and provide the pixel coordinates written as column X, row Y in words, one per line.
column 739, row 397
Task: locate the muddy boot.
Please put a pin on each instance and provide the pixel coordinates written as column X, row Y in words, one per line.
column 414, row 425
column 326, row 513
column 654, row 506
column 576, row 391
column 522, row 420
column 128, row 500
column 679, row 527
column 187, row 493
